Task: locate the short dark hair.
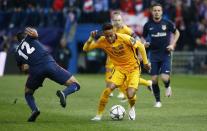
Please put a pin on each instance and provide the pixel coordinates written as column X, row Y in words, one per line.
column 107, row 26
column 116, row 13
column 156, row 4
column 20, row 36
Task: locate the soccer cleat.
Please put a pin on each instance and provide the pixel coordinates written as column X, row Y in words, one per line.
column 158, row 104
column 120, row 95
column 132, row 114
column 96, row 118
column 34, row 116
column 61, row 95
column 168, row 92
column 111, row 94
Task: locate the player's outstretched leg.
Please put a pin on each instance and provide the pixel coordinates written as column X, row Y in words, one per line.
column 72, row 86
column 147, row 83
column 102, row 104
column 31, row 103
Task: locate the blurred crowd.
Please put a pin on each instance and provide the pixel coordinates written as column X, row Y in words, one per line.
column 190, row 16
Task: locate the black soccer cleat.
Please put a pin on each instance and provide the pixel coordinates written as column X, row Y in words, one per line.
column 34, row 116
column 61, row 95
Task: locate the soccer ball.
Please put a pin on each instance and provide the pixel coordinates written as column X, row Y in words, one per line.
column 117, row 112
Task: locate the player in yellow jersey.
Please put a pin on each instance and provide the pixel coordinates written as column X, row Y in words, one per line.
column 120, row 27
column 120, row 49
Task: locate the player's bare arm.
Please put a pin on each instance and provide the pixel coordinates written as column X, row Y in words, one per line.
column 142, row 51
column 172, row 45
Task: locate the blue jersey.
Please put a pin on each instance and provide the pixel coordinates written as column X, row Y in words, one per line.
column 41, row 64
column 30, row 51
column 159, row 34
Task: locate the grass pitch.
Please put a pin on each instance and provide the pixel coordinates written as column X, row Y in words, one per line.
column 186, row 110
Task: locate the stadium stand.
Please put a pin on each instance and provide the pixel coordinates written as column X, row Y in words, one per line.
column 73, row 19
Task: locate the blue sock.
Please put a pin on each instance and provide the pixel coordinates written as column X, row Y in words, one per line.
column 71, row 89
column 30, row 101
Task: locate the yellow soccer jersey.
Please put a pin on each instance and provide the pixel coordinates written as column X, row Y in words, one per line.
column 124, row 30
column 121, row 52
column 109, row 64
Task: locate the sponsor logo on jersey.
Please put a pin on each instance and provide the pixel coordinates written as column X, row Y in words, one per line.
column 159, row 34
column 164, row 27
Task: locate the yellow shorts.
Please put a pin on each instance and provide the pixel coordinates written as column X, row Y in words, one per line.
column 120, row 77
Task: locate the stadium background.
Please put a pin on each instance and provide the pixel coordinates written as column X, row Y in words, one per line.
column 70, row 21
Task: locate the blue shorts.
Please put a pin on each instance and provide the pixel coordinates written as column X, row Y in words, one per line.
column 161, row 67
column 49, row 70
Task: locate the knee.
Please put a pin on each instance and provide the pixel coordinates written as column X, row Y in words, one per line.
column 29, row 91
column 130, row 95
column 111, row 86
column 154, row 81
column 165, row 77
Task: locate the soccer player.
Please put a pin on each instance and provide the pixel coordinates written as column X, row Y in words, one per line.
column 31, row 56
column 159, row 30
column 120, row 27
column 120, row 49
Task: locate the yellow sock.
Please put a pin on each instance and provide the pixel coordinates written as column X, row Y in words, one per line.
column 144, row 82
column 132, row 101
column 103, row 100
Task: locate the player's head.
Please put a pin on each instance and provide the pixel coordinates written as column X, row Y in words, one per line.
column 20, row 35
column 27, row 31
column 109, row 33
column 156, row 10
column 116, row 19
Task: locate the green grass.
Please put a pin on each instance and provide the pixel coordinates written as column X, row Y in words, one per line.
column 186, row 110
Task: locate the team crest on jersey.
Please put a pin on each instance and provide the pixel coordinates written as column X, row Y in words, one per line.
column 164, row 27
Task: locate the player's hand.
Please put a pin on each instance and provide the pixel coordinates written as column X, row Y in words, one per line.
column 170, row 47
column 147, row 66
column 31, row 32
column 94, row 33
column 146, row 44
column 24, row 67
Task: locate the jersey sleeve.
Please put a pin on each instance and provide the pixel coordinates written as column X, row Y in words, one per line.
column 171, row 26
column 94, row 44
column 138, row 45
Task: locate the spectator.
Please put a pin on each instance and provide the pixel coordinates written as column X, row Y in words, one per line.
column 114, row 4
column 204, row 65
column 127, row 6
column 101, row 5
column 62, row 54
